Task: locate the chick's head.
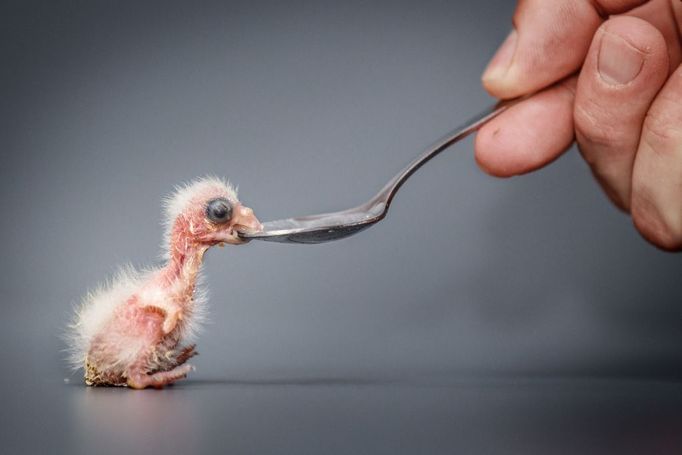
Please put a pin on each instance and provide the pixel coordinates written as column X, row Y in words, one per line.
column 207, row 212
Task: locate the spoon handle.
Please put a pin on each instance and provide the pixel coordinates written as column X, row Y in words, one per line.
column 389, row 190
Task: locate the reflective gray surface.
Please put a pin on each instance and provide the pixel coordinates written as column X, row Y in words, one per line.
column 107, row 105
column 434, row 415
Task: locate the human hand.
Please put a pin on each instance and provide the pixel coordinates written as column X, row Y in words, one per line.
column 624, row 108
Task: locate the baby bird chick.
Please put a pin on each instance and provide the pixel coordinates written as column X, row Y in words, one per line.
column 134, row 331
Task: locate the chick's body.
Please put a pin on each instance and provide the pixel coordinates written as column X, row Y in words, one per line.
column 136, row 330
column 145, row 331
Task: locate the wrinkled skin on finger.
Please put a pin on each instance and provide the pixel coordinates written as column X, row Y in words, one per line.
column 627, row 54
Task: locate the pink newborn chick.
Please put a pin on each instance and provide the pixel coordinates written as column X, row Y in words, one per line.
column 134, row 331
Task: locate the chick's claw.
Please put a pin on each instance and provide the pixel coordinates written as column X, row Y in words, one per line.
column 186, row 354
column 140, row 380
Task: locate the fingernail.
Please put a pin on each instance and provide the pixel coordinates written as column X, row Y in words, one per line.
column 502, row 59
column 618, row 63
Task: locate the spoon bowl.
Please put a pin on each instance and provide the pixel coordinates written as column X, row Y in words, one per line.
column 321, row 228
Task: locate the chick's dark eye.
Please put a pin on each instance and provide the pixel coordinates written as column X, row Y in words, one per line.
column 219, row 210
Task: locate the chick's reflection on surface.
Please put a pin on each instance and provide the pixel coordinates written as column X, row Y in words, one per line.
column 114, row 417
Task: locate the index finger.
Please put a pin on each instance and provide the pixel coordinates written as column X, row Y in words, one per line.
column 530, row 134
column 550, row 41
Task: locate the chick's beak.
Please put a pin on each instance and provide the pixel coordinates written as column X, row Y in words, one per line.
column 244, row 221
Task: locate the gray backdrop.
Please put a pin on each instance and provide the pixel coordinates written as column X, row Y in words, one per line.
column 308, row 107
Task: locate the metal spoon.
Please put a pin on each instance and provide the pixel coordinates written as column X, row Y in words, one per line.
column 326, row 227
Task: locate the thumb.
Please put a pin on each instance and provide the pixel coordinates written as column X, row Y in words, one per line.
column 549, row 41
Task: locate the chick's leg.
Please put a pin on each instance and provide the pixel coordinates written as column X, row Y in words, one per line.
column 140, row 380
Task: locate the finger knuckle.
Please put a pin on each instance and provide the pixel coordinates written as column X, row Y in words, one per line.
column 663, row 127
column 594, row 130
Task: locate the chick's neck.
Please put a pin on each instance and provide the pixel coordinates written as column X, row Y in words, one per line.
column 184, row 263
column 185, row 266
